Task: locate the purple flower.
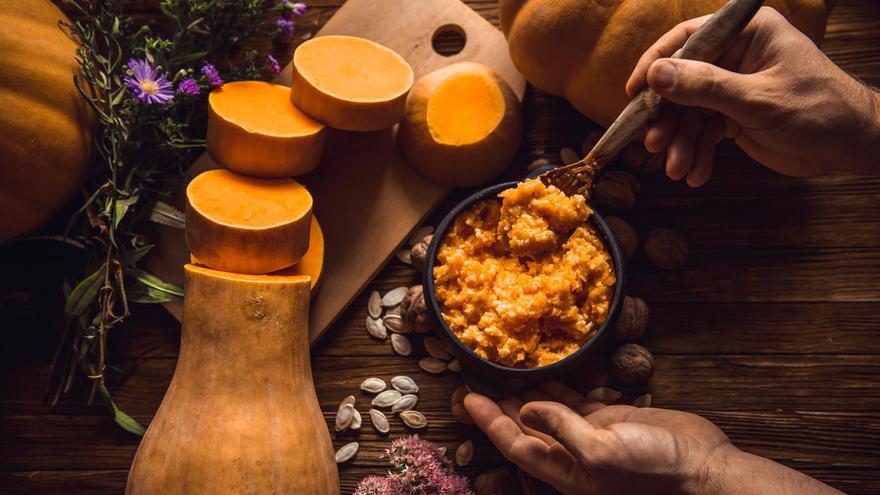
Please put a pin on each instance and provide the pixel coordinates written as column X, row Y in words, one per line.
column 147, row 84
column 286, row 26
column 273, row 65
column 297, row 9
column 213, row 76
column 188, row 87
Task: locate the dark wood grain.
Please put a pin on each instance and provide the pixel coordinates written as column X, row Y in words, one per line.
column 770, row 329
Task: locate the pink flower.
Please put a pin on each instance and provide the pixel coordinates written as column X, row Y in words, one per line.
column 378, row 485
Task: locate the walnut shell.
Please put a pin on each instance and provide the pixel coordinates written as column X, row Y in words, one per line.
column 617, row 189
column 626, row 237
column 633, row 319
column 416, row 313
column 457, row 405
column 590, row 141
column 665, row 249
column 632, row 364
column 498, row 481
column 419, row 253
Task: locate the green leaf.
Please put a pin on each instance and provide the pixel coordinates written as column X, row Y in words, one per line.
column 154, row 282
column 83, row 294
column 122, row 206
column 125, row 421
column 165, row 214
column 132, row 256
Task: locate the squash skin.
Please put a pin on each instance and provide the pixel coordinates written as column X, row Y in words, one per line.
column 344, row 114
column 257, row 154
column 464, row 165
column 46, row 138
column 241, row 249
column 585, row 50
column 240, row 415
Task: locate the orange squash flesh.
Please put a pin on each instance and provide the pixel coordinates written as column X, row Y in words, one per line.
column 254, row 129
column 350, row 83
column 241, row 414
column 247, row 225
column 311, row 264
column 462, row 127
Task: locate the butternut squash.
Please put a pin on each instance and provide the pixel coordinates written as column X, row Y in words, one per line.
column 584, row 50
column 246, row 225
column 311, row 264
column 240, row 415
column 463, row 125
column 350, row 83
column 254, row 129
column 46, row 138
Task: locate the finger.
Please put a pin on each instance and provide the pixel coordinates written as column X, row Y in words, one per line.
column 713, row 132
column 511, row 408
column 572, row 399
column 566, row 426
column 607, row 416
column 698, row 84
column 680, row 157
column 664, row 47
column 660, row 132
column 531, row 454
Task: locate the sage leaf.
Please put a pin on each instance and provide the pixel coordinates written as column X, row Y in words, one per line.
column 154, row 282
column 83, row 294
column 165, row 214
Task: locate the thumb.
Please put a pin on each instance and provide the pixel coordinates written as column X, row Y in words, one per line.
column 563, row 424
column 699, row 84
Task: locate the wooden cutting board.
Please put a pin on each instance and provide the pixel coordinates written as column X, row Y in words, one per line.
column 367, row 198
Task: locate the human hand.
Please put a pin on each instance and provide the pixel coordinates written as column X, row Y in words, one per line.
column 582, row 447
column 585, row 448
column 783, row 101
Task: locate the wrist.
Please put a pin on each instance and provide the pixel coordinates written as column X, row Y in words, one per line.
column 868, row 155
column 712, row 475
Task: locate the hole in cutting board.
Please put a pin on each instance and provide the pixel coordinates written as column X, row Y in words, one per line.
column 448, row 40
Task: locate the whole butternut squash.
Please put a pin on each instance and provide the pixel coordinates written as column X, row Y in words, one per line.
column 240, row 415
column 45, row 125
column 584, row 50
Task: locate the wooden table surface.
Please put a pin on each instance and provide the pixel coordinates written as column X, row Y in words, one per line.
column 770, row 329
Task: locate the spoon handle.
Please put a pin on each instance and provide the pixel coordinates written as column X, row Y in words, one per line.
column 705, row 45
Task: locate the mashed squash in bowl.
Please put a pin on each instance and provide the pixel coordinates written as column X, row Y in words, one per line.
column 524, row 280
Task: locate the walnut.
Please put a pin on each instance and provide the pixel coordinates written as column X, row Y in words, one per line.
column 414, row 309
column 498, row 481
column 632, row 364
column 625, row 235
column 411, row 294
column 590, row 141
column 665, row 249
column 633, row 319
column 419, row 252
column 617, row 189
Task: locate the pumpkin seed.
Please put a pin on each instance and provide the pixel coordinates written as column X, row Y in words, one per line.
column 643, row 401
column 401, row 344
column 435, row 348
column 374, row 305
column 404, row 384
column 373, row 385
column 604, row 394
column 393, row 311
column 569, row 156
column 346, row 452
column 457, row 405
column 454, row 365
column 405, row 256
column 356, row 421
column 404, row 403
column 414, row 419
column 420, row 234
column 380, row 422
column 344, row 417
column 394, row 323
column 540, row 162
column 464, row 453
column 350, row 400
column 386, row 398
column 432, row 365
column 376, row 328
column 394, row 297
column 442, row 450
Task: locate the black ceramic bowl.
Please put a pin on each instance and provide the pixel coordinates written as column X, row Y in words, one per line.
column 498, row 381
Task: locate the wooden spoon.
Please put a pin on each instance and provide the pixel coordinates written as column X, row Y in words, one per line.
column 706, row 45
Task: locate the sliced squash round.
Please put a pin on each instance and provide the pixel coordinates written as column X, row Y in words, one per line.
column 243, row 224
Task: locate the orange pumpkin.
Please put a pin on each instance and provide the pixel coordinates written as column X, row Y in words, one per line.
column 45, row 125
column 584, row 50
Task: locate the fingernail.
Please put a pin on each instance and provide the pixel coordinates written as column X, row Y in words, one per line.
column 664, row 75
